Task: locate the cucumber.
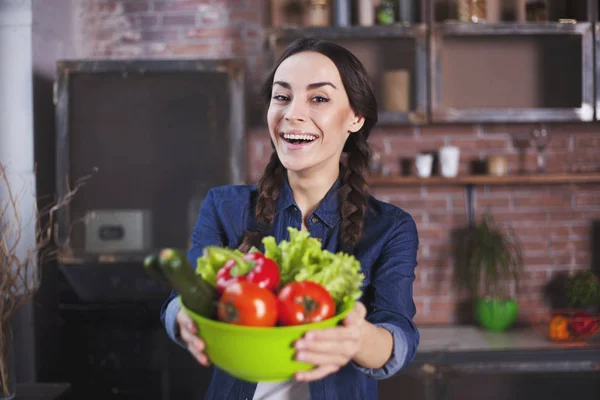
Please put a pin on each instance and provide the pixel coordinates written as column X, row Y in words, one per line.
column 196, row 294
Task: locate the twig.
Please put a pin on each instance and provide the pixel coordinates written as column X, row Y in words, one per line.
column 20, row 275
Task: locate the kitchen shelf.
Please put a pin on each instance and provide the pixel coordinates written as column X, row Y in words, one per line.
column 450, row 85
column 456, row 28
column 504, row 82
column 381, row 49
column 389, row 118
column 350, row 32
column 533, row 179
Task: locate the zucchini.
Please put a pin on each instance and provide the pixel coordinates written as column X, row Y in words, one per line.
column 196, row 294
column 153, row 269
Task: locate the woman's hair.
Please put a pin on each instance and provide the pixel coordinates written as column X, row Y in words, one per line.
column 354, row 190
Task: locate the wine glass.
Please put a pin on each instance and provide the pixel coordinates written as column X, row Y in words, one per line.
column 539, row 139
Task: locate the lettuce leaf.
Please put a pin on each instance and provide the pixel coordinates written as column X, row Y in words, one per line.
column 302, row 259
column 211, row 262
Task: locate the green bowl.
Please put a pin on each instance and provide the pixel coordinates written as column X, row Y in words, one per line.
column 257, row 354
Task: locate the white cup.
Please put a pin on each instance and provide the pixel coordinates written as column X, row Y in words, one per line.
column 424, row 163
column 449, row 157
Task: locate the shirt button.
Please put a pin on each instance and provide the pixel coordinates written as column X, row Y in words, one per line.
column 295, row 208
column 314, row 220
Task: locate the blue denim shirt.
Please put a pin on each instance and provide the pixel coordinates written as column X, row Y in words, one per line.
column 388, row 256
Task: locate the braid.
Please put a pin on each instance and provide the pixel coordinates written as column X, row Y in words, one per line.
column 355, row 190
column 268, row 191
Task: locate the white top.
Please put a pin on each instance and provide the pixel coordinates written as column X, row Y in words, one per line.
column 288, row 390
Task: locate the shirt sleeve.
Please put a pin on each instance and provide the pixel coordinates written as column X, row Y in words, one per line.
column 391, row 292
column 207, row 231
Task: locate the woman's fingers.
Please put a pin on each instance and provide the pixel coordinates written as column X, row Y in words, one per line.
column 317, row 373
column 342, row 347
column 185, row 322
column 322, row 358
column 189, row 334
column 334, row 334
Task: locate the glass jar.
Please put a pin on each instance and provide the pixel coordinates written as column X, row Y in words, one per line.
column 471, row 10
column 319, row 13
column 386, row 13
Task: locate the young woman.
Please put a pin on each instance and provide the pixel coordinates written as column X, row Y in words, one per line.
column 321, row 111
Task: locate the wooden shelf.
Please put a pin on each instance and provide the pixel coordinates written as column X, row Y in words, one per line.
column 456, row 28
column 350, row 32
column 534, row 179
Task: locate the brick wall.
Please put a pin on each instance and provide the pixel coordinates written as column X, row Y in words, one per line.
column 554, row 222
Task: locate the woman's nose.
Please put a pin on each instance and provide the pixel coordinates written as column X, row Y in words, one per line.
column 296, row 111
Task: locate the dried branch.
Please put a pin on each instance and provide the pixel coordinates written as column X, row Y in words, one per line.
column 20, row 275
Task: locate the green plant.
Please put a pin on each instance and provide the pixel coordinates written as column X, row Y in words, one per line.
column 583, row 290
column 487, row 259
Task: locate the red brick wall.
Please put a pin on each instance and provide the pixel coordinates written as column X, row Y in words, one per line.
column 553, row 221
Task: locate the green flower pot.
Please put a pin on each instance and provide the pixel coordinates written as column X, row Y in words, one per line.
column 496, row 315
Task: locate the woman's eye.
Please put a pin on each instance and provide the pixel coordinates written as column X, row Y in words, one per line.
column 320, row 99
column 280, row 97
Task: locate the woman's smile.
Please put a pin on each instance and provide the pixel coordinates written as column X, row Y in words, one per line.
column 296, row 140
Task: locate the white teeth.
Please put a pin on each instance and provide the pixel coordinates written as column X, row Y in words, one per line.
column 290, row 136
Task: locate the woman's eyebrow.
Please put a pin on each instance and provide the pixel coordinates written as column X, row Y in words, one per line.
column 309, row 86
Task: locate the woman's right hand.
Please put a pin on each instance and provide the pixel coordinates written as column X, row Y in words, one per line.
column 189, row 334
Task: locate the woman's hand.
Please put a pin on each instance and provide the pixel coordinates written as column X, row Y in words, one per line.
column 332, row 348
column 189, row 334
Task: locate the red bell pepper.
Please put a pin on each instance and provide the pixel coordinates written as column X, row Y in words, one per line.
column 252, row 267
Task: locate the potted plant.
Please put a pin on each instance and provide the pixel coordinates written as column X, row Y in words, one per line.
column 583, row 291
column 583, row 295
column 488, row 262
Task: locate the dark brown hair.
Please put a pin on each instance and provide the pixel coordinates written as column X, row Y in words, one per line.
column 354, row 190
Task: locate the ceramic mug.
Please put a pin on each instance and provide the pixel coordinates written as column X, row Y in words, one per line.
column 424, row 163
column 449, row 157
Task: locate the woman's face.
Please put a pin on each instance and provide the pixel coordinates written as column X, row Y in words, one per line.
column 309, row 114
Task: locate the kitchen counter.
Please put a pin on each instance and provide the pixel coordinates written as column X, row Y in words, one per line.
column 447, row 352
column 518, row 348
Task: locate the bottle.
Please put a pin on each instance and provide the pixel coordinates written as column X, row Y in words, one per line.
column 366, row 13
column 341, row 12
column 406, row 11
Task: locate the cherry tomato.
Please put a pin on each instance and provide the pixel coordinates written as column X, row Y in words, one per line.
column 303, row 303
column 252, row 267
column 245, row 303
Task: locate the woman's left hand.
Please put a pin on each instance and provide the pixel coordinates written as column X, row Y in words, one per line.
column 332, row 348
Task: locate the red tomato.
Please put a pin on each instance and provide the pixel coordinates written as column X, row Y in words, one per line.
column 245, row 303
column 303, row 303
column 252, row 267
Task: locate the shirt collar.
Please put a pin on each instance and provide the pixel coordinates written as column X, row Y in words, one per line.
column 327, row 211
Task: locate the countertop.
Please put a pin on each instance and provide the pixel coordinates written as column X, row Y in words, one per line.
column 514, row 349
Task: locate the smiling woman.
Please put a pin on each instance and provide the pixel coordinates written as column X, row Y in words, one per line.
column 321, row 112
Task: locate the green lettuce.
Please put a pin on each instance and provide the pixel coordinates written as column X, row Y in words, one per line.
column 211, row 262
column 302, row 259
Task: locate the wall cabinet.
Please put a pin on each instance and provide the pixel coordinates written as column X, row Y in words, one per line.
column 507, row 71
